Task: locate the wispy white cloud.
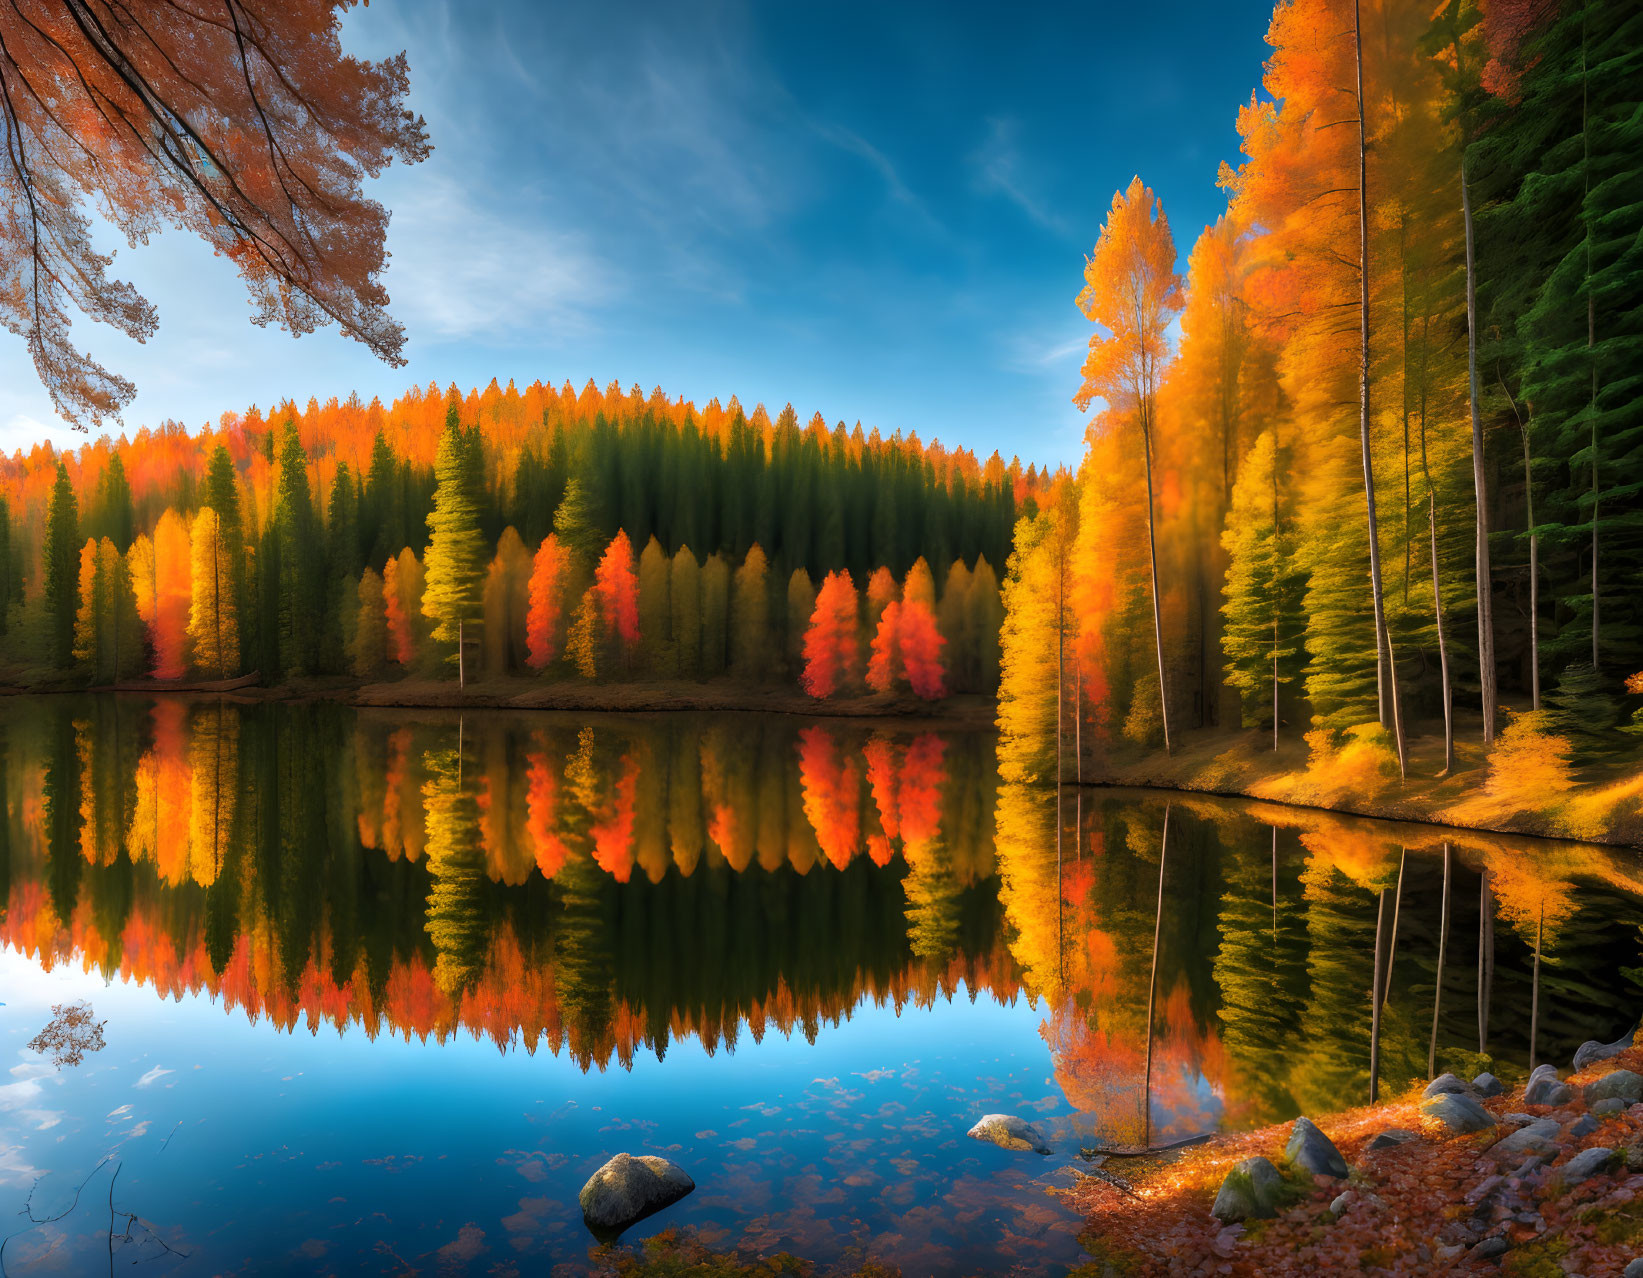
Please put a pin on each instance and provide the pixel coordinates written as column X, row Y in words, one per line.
column 152, row 1076
column 997, row 167
column 469, row 268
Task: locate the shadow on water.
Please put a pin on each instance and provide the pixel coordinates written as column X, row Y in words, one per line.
column 801, row 959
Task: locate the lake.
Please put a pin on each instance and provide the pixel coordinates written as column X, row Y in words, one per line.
column 379, row 990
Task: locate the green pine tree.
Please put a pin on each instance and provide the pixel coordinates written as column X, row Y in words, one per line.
column 62, row 567
column 456, row 558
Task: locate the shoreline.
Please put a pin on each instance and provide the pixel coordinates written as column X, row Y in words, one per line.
column 1434, row 1184
column 1220, row 763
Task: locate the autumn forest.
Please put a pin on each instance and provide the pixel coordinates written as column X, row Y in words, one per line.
column 824, row 814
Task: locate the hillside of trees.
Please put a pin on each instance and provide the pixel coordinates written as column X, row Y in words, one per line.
column 1386, row 490
column 541, row 534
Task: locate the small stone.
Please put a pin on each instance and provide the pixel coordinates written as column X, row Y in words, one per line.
column 1310, row 1148
column 1609, row 1107
column 1545, row 1089
column 1539, row 1137
column 627, row 1189
column 1591, row 1051
column 1458, row 1113
column 1009, row 1132
column 1621, row 1084
column 1530, row 1166
column 1489, row 1248
column 1487, row 1085
column 1447, row 1253
column 1390, row 1138
column 1517, row 1118
column 1444, row 1083
column 1248, row 1192
column 1341, row 1202
column 1634, row 1269
column 1584, row 1165
column 1583, row 1126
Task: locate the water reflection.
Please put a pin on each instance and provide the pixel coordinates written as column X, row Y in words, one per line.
column 607, row 888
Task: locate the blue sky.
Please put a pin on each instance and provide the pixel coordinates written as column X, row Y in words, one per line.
column 877, row 211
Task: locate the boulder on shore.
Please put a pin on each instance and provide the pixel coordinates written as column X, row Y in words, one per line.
column 1584, row 1165
column 1545, row 1088
column 1249, row 1192
column 1390, row 1138
column 1487, row 1084
column 627, row 1189
column 1445, row 1083
column 1538, row 1137
column 1310, row 1148
column 1460, row 1114
column 1621, row 1084
column 1591, row 1051
column 1009, row 1132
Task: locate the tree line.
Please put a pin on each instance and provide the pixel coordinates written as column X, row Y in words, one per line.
column 593, row 534
column 1391, row 474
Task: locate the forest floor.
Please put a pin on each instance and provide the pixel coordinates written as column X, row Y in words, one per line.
column 1604, row 804
column 1435, row 1203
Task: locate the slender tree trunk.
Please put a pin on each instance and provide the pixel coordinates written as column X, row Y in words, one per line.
column 1591, row 319
column 1443, row 645
column 1486, row 959
column 1152, row 557
column 1480, row 481
column 1534, row 997
column 1534, row 545
column 1375, row 1003
column 1389, row 700
column 1152, row 986
column 1397, row 913
column 1443, row 951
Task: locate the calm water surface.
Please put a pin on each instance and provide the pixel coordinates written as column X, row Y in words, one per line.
column 381, row 989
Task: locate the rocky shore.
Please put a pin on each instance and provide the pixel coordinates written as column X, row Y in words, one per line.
column 1457, row 1177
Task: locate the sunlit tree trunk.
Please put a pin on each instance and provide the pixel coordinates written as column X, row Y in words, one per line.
column 1390, row 711
column 1152, row 559
column 1443, row 951
column 1480, row 482
column 1152, row 985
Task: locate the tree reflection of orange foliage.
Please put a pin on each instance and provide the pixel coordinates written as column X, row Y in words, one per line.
column 160, row 817
column 542, row 802
column 880, row 755
column 832, row 795
column 612, row 828
column 1362, row 854
column 922, row 776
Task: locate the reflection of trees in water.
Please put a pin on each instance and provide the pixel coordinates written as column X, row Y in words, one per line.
column 613, row 889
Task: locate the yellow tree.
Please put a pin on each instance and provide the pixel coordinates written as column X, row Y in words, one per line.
column 212, row 622
column 1131, row 292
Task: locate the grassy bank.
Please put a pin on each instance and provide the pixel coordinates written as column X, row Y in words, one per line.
column 1519, row 787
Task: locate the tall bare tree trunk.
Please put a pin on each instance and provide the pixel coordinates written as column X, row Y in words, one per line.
column 1152, row 558
column 1486, row 959
column 1534, row 545
column 1375, row 998
column 1152, row 987
column 1480, row 481
column 1443, row 951
column 1387, row 669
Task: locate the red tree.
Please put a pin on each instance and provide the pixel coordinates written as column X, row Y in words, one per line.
column 832, row 646
column 618, row 587
column 920, row 644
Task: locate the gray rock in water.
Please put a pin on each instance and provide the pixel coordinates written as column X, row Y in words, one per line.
column 1249, row 1192
column 1622, row 1084
column 1445, row 1083
column 1310, row 1148
column 1634, row 1269
column 1591, row 1051
column 1610, row 1107
column 1391, row 1137
column 1539, row 1137
column 1545, row 1089
column 1458, row 1113
column 627, row 1189
column 1009, row 1132
column 1584, row 1165
column 1489, row 1248
column 1487, row 1085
